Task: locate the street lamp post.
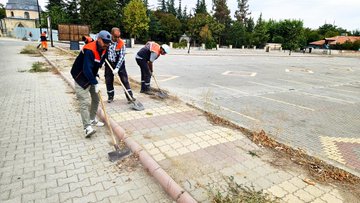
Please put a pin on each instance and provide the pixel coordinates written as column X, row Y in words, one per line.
column 37, row 1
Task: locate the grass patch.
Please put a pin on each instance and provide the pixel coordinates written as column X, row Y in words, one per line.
column 38, row 67
column 29, row 49
column 239, row 193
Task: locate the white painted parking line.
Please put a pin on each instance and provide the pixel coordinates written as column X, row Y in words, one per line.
column 223, row 108
column 239, row 73
column 327, row 97
column 268, row 85
column 228, row 88
column 287, row 103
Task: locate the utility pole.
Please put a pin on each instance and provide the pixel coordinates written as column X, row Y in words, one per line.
column 37, row 1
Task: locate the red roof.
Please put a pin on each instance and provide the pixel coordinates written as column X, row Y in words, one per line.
column 336, row 39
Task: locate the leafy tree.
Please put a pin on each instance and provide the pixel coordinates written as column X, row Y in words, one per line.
column 260, row 36
column 237, row 32
column 2, row 11
column 292, row 32
column 58, row 16
column 355, row 33
column 200, row 7
column 328, row 30
column 311, row 35
column 206, row 37
column 217, row 30
column 53, row 3
column 168, row 27
column 242, row 14
column 195, row 24
column 135, row 20
column 100, row 15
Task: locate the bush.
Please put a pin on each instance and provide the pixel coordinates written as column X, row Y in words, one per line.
column 180, row 45
column 29, row 49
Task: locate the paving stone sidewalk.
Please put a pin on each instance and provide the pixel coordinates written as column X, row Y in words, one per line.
column 197, row 153
column 44, row 156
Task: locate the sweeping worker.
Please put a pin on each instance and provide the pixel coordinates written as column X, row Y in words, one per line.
column 43, row 39
column 84, row 71
column 116, row 57
column 145, row 58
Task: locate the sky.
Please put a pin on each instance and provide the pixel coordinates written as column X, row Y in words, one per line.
column 313, row 13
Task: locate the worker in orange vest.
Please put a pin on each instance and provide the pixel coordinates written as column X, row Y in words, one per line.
column 84, row 71
column 116, row 57
column 43, row 39
column 145, row 58
column 87, row 39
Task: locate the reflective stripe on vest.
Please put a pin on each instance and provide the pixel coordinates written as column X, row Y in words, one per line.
column 92, row 47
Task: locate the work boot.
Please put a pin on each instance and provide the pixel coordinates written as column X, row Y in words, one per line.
column 148, row 92
column 110, row 99
column 97, row 123
column 89, row 131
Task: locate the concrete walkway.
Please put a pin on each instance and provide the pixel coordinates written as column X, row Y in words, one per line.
column 44, row 156
column 195, row 153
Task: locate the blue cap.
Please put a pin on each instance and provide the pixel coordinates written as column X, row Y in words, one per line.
column 105, row 36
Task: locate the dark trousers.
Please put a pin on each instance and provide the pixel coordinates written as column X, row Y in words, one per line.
column 109, row 78
column 145, row 74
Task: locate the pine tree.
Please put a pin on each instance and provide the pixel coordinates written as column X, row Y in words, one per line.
column 170, row 5
column 179, row 11
column 242, row 14
column 162, row 5
column 200, row 7
column 222, row 12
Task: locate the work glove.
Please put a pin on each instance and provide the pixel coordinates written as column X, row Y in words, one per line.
column 97, row 89
column 115, row 71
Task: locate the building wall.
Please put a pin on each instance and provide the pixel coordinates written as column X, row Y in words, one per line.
column 21, row 14
column 11, row 23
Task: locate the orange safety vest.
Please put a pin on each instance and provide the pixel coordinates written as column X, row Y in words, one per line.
column 119, row 45
column 155, row 47
column 88, row 39
column 92, row 47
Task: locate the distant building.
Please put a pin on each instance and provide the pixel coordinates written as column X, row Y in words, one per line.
column 19, row 13
column 325, row 43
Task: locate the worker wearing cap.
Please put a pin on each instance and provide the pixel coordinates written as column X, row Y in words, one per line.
column 84, row 71
column 116, row 57
column 145, row 58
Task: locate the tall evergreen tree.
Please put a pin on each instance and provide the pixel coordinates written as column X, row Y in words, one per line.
column 73, row 11
column 260, row 33
column 179, row 11
column 170, row 5
column 243, row 12
column 222, row 12
column 162, row 5
column 200, row 7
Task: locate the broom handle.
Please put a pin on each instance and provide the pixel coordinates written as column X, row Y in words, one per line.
column 156, row 82
column 107, row 119
column 117, row 76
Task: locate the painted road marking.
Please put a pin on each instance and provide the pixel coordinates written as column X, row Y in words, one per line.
column 239, row 73
column 287, row 103
column 158, row 77
column 268, row 85
column 223, row 108
column 176, row 146
column 327, row 97
column 228, row 88
column 299, row 70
